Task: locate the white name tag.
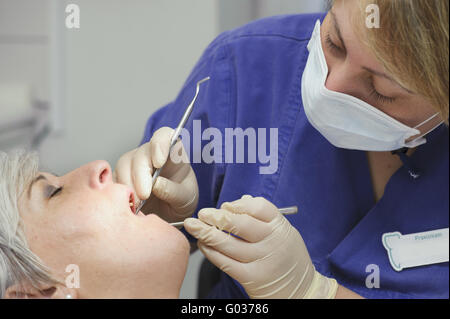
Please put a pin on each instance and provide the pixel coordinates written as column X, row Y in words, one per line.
column 419, row 249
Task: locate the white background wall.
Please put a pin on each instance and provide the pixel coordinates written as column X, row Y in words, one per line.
column 127, row 59
column 24, row 44
column 233, row 13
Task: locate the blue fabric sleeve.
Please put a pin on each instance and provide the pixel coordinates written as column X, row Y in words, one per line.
column 211, row 109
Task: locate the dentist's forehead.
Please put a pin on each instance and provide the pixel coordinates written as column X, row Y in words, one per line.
column 350, row 40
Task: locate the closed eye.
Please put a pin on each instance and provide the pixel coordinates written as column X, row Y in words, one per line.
column 333, row 46
column 56, row 192
column 378, row 96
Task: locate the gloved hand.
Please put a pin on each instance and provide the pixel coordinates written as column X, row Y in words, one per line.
column 269, row 259
column 175, row 193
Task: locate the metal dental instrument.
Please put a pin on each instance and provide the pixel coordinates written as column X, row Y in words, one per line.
column 176, row 134
column 285, row 211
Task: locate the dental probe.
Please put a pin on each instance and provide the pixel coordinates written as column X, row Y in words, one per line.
column 176, row 135
column 285, row 211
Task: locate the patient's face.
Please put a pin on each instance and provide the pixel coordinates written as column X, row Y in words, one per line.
column 84, row 218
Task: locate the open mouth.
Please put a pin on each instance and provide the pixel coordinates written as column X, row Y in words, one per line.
column 132, row 203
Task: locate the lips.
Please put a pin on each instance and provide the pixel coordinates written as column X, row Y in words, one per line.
column 132, row 203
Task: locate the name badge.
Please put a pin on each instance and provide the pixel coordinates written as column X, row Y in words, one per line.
column 419, row 249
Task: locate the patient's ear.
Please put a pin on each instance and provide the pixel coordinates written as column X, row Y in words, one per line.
column 28, row 291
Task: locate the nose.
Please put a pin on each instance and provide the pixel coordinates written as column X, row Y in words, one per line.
column 343, row 78
column 100, row 174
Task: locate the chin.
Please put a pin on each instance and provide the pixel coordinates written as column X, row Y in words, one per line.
column 179, row 246
column 170, row 232
column 173, row 251
column 179, row 264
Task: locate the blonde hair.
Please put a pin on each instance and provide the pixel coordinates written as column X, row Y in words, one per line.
column 412, row 43
column 18, row 264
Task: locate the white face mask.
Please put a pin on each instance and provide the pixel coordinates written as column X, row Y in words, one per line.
column 344, row 120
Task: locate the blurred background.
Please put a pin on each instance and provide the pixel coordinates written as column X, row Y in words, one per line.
column 83, row 94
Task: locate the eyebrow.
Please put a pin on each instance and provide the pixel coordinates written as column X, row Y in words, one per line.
column 378, row 73
column 384, row 75
column 337, row 28
column 37, row 179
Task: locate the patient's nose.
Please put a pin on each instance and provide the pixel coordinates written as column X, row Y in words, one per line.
column 99, row 174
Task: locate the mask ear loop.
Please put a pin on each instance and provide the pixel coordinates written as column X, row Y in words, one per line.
column 427, row 132
column 425, row 122
column 414, row 172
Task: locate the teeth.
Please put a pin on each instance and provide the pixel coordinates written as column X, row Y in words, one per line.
column 131, row 204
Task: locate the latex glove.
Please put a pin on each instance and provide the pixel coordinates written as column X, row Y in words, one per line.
column 269, row 259
column 175, row 193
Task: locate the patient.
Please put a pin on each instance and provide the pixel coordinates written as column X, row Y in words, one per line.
column 84, row 219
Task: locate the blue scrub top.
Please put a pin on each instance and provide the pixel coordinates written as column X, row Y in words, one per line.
column 256, row 74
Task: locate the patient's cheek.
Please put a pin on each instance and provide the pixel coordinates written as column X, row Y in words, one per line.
column 47, row 242
column 72, row 229
column 60, row 239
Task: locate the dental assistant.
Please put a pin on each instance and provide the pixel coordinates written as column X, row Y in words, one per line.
column 363, row 143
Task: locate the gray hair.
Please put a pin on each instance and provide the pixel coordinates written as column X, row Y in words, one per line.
column 18, row 264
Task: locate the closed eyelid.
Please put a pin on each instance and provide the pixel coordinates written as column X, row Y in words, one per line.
column 337, row 29
column 44, row 189
column 332, row 45
column 48, row 190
